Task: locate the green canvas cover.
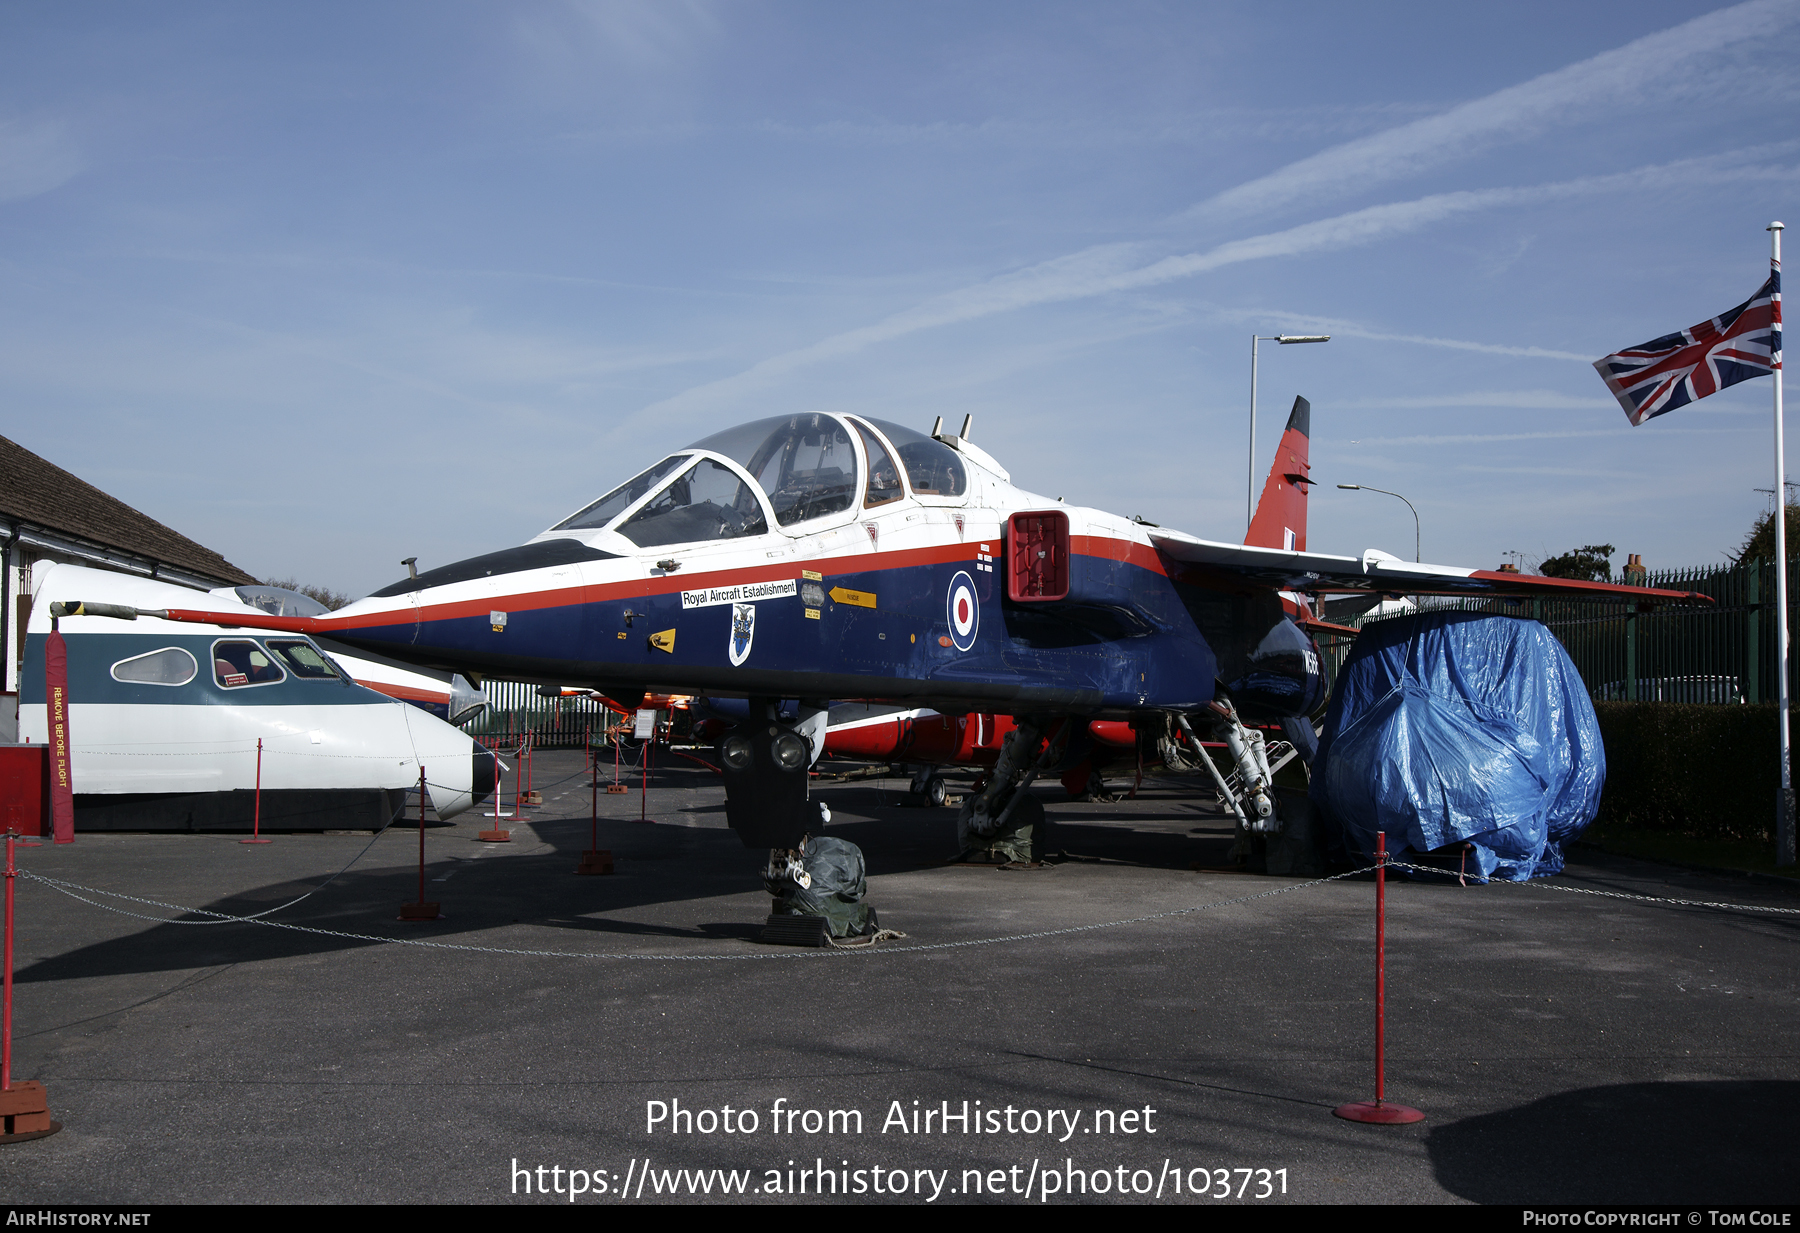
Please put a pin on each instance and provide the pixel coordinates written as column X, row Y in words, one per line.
column 835, row 867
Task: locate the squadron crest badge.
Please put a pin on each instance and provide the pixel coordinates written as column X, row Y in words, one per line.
column 743, row 632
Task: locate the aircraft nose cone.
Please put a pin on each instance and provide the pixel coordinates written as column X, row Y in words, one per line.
column 483, row 771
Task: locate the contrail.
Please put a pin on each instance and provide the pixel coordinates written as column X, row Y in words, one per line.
column 1639, row 68
column 1107, row 269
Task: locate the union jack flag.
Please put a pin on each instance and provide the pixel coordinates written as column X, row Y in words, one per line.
column 1676, row 369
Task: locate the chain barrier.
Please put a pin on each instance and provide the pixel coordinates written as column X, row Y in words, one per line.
column 1582, row 890
column 71, row 888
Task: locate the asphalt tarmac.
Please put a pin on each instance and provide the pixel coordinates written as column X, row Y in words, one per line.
column 1565, row 1048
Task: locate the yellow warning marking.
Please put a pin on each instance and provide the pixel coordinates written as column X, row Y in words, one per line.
column 861, row 599
column 621, row 635
column 812, row 614
column 812, row 575
column 664, row 641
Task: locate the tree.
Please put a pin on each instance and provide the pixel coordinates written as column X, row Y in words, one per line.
column 1589, row 563
column 1760, row 543
column 324, row 595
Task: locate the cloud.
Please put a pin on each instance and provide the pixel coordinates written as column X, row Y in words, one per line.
column 35, row 157
column 1639, row 68
column 645, row 34
column 1110, row 269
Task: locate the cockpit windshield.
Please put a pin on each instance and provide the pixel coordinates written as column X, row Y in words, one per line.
column 613, row 503
column 707, row 501
column 281, row 602
column 932, row 467
column 805, row 463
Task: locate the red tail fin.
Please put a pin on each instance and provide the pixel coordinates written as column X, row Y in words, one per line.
column 1280, row 520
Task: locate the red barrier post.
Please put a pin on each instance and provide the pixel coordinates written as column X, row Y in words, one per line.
column 420, row 910
column 1378, row 1111
column 644, row 791
column 256, row 819
column 24, row 1109
column 595, row 859
column 12, row 872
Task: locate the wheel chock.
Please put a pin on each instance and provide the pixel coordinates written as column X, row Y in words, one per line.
column 25, row 1113
column 781, row 929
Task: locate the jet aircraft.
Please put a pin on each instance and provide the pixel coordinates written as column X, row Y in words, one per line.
column 825, row 556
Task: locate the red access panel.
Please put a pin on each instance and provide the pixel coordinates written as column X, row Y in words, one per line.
column 1037, row 556
column 25, row 789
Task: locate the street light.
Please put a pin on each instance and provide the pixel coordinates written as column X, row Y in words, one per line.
column 1409, row 505
column 1250, row 470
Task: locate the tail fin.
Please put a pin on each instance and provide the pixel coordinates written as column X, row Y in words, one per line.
column 1280, row 520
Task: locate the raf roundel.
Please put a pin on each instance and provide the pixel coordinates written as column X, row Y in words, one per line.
column 964, row 611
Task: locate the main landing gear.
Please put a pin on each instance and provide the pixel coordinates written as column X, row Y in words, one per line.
column 765, row 763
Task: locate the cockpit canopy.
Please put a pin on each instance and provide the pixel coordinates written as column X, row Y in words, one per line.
column 805, row 466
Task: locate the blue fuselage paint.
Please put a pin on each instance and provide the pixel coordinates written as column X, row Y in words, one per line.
column 1123, row 642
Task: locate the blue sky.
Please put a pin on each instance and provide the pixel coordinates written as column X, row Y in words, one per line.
column 326, row 286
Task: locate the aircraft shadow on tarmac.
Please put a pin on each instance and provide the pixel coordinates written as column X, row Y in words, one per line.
column 1718, row 1141
column 659, row 865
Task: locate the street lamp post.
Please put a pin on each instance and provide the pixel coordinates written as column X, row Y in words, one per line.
column 1409, row 505
column 1250, row 470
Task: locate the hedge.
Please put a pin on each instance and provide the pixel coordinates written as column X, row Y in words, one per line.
column 1711, row 772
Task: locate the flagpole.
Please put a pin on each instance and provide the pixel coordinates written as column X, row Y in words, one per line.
column 1784, row 818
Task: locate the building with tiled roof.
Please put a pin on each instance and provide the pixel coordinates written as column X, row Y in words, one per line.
column 48, row 516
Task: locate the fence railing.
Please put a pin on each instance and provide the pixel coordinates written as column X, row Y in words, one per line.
column 1721, row 652
column 515, row 709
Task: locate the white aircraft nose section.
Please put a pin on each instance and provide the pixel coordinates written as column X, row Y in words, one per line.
column 454, row 762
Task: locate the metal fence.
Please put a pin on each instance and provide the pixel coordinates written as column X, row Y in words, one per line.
column 514, row 710
column 1722, row 652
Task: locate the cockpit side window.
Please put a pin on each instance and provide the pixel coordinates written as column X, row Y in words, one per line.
column 884, row 477
column 932, row 467
column 236, row 664
column 615, row 502
column 304, row 659
column 707, row 501
column 169, row 666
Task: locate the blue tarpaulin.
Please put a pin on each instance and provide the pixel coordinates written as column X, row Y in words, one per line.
column 1456, row 726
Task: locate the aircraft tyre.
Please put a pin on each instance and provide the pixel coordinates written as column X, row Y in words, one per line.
column 936, row 793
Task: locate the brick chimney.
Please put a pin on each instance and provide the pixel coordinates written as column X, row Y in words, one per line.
column 1634, row 574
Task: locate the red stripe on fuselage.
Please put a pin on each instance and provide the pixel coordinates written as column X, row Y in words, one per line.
column 1103, row 547
column 1109, row 549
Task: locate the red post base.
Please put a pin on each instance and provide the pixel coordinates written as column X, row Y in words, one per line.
column 256, row 841
column 420, row 911
column 595, row 860
column 1378, row 1113
column 25, row 1113
column 494, row 836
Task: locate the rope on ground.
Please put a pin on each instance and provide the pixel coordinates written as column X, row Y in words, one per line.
column 1582, row 890
column 253, row 919
column 70, row 889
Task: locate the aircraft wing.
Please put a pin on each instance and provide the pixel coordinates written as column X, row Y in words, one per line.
column 1319, row 573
